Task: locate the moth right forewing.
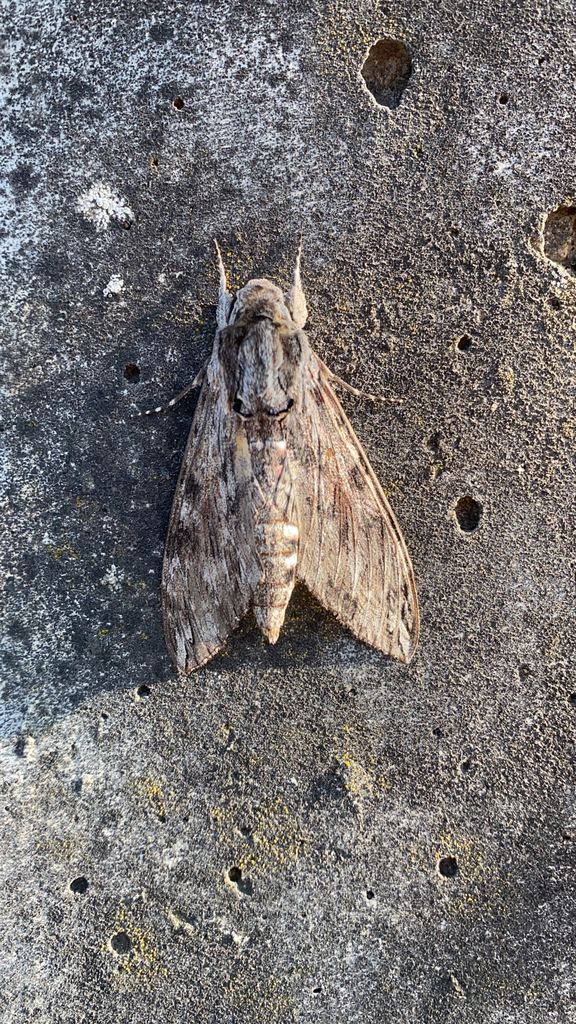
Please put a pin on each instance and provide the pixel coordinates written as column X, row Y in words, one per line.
column 352, row 554
column 210, row 567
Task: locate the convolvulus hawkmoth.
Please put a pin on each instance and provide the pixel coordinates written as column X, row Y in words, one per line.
column 274, row 488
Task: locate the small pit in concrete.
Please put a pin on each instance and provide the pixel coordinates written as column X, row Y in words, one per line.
column 560, row 237
column 386, row 71
column 79, row 885
column 468, row 513
column 448, row 867
column 121, row 943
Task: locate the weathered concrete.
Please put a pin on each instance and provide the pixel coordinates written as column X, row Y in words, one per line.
column 333, row 784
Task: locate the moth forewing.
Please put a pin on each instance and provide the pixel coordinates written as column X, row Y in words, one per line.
column 275, row 486
column 353, row 557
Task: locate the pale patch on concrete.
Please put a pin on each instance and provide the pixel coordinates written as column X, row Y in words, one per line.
column 114, row 286
column 113, row 578
column 100, row 204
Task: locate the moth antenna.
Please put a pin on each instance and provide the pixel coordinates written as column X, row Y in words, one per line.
column 224, row 297
column 354, row 391
column 196, row 383
column 223, row 285
column 296, row 300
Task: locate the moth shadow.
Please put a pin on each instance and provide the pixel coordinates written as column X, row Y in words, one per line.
column 310, row 635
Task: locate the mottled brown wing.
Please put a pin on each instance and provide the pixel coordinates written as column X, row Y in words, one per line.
column 210, row 566
column 352, row 554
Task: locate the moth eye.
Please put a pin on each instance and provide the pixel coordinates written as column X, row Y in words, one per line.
column 234, row 335
column 237, row 407
column 282, row 412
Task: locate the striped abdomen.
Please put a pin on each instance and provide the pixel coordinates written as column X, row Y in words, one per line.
column 277, row 547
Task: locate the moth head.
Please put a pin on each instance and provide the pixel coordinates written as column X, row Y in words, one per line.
column 259, row 300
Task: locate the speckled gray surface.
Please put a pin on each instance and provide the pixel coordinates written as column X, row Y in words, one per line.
column 264, row 841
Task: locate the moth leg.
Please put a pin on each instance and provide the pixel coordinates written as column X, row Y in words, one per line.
column 224, row 297
column 354, row 391
column 295, row 297
column 162, row 408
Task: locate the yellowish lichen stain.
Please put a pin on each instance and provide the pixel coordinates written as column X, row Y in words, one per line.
column 151, row 790
column 269, row 999
column 60, row 849
column 392, row 489
column 275, row 842
column 344, row 33
column 142, row 964
column 506, row 380
column 479, row 891
column 554, row 651
column 64, row 548
column 358, row 780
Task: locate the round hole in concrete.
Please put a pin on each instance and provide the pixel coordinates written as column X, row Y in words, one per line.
column 468, row 513
column 79, row 885
column 572, row 700
column 503, row 97
column 560, row 237
column 143, row 691
column 464, row 344
column 370, row 894
column 448, row 866
column 386, row 71
column 234, row 874
column 132, row 372
column 179, row 103
column 121, row 943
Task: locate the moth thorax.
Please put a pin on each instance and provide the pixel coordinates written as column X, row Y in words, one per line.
column 277, row 547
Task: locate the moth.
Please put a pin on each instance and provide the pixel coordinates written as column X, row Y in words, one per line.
column 275, row 488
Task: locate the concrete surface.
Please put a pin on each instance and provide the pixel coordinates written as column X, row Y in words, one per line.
column 309, row 832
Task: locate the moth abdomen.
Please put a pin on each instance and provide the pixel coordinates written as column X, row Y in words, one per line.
column 276, row 541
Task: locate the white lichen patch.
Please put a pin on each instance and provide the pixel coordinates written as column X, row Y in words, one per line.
column 113, row 578
column 114, row 286
column 100, row 204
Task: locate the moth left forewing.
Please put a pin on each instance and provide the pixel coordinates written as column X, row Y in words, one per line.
column 210, row 566
column 352, row 555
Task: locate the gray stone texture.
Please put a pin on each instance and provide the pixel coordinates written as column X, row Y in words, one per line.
column 264, row 840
